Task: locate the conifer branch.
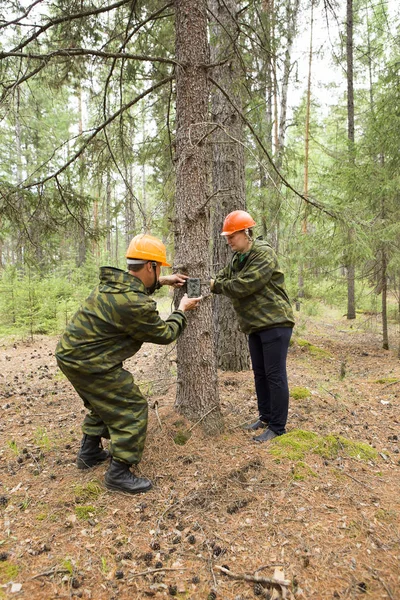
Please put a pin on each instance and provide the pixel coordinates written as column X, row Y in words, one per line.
column 98, row 129
column 267, row 154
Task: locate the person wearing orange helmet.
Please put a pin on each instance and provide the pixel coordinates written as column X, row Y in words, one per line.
column 110, row 327
column 255, row 284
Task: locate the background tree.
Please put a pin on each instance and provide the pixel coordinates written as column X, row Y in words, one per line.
column 228, row 170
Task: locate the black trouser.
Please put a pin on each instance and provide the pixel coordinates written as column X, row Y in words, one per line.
column 268, row 351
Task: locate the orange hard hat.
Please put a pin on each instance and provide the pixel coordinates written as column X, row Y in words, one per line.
column 236, row 221
column 147, row 247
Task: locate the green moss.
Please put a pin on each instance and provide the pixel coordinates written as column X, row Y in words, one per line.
column 296, row 444
column 387, row 380
column 301, row 471
column 387, row 516
column 299, row 393
column 67, row 565
column 182, row 437
column 90, row 491
column 313, row 350
column 8, row 571
column 86, row 512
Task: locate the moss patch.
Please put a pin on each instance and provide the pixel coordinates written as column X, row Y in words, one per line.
column 298, row 393
column 182, row 437
column 296, row 444
column 387, row 380
column 90, row 491
column 8, row 571
column 86, row 512
column 313, row 350
column 301, row 471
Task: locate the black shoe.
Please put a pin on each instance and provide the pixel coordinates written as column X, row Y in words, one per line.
column 119, row 478
column 91, row 452
column 265, row 436
column 257, row 425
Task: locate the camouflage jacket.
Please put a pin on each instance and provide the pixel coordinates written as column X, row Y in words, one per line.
column 257, row 289
column 112, row 324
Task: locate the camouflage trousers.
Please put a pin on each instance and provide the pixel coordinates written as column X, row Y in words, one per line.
column 117, row 410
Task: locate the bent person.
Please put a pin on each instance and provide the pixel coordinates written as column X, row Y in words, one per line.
column 255, row 285
column 110, row 327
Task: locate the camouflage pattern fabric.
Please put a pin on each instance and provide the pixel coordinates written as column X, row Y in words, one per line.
column 257, row 289
column 113, row 323
column 111, row 326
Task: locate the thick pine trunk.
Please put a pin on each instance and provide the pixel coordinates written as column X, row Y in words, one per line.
column 228, row 176
column 197, row 393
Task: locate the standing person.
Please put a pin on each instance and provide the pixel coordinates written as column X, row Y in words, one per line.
column 109, row 327
column 255, row 284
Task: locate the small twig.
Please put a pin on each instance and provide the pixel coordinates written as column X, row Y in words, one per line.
column 52, row 571
column 155, row 406
column 210, row 556
column 356, row 480
column 143, row 573
column 391, row 383
column 254, row 578
column 389, row 593
column 203, row 417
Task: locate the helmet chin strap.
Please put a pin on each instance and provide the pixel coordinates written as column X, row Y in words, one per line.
column 155, row 285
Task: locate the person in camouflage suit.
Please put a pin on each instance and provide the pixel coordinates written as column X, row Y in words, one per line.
column 111, row 326
column 255, row 284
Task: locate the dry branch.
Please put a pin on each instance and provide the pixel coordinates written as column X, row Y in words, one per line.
column 254, row 578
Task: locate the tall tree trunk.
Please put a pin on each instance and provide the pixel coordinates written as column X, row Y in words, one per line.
column 385, row 333
column 81, row 254
column 304, row 225
column 19, row 250
column 130, row 218
column 108, row 216
column 351, row 295
column 384, row 274
column 197, row 392
column 292, row 12
column 228, row 177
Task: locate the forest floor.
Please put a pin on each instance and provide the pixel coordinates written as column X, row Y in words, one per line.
column 317, row 509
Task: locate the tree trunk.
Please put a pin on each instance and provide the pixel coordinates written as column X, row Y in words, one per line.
column 81, row 254
column 351, row 295
column 304, row 226
column 291, row 16
column 228, row 176
column 197, row 395
column 108, row 216
column 385, row 335
column 130, row 218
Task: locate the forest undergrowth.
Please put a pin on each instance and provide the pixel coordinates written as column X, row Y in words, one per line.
column 313, row 515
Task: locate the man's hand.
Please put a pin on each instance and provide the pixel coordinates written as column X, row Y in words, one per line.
column 177, row 280
column 189, row 303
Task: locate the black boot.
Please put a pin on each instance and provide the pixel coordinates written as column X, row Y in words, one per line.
column 120, row 479
column 257, row 425
column 91, row 452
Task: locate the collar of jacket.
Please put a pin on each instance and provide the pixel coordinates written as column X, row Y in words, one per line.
column 113, row 280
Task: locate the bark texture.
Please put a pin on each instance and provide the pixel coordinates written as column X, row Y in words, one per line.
column 197, row 393
column 228, row 175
